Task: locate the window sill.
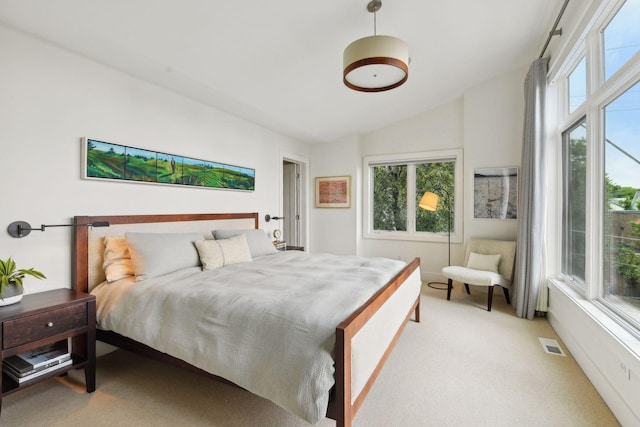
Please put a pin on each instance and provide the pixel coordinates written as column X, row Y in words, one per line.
column 415, row 237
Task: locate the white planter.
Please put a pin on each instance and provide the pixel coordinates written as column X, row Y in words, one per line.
column 11, row 294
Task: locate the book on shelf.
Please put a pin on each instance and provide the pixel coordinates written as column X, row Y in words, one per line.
column 24, row 378
column 29, row 361
column 8, row 367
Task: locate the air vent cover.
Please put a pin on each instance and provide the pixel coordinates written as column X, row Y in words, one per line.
column 551, row 346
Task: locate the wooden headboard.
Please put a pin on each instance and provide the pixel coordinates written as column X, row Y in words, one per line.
column 89, row 241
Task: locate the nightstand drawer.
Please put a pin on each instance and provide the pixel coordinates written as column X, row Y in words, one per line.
column 43, row 325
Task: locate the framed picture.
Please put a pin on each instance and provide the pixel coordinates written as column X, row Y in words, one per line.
column 495, row 193
column 114, row 162
column 333, row 192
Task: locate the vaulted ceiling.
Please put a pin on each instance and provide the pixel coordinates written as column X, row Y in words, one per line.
column 279, row 63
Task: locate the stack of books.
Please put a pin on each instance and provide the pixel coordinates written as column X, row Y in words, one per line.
column 34, row 363
column 280, row 245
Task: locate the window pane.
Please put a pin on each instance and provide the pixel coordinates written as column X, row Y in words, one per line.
column 578, row 85
column 621, row 37
column 575, row 166
column 439, row 178
column 390, row 198
column 622, row 207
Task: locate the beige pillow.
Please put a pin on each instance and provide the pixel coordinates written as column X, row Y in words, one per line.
column 235, row 249
column 117, row 260
column 484, row 262
column 210, row 254
column 229, row 251
column 259, row 243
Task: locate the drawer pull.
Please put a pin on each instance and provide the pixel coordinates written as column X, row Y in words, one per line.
column 49, row 324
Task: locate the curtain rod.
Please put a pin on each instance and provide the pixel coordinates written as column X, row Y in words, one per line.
column 554, row 32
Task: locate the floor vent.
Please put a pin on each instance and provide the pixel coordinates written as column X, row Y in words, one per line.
column 551, row 346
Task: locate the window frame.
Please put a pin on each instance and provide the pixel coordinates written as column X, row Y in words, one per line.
column 588, row 41
column 455, row 155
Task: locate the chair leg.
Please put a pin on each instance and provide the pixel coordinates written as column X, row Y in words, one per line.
column 466, row 286
column 490, row 298
column 449, row 287
column 506, row 295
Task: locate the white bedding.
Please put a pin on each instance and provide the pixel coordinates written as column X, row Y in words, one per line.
column 267, row 325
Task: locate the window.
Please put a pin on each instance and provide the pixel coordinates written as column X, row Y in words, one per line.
column 395, row 184
column 621, row 38
column 600, row 239
column 574, row 150
column 622, row 203
column 578, row 85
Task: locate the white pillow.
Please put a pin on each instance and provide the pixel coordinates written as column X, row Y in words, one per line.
column 484, row 262
column 155, row 254
column 210, row 253
column 117, row 260
column 257, row 239
column 217, row 253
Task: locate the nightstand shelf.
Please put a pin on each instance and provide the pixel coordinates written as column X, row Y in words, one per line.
column 45, row 318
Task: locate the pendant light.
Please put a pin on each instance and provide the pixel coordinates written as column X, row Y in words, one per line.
column 375, row 63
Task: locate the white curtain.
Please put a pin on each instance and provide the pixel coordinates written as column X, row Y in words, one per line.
column 529, row 278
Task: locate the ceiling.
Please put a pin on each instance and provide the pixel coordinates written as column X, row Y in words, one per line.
column 279, row 63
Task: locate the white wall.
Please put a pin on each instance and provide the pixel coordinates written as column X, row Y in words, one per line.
column 50, row 98
column 335, row 230
column 486, row 123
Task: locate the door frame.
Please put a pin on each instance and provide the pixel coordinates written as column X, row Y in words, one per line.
column 303, row 162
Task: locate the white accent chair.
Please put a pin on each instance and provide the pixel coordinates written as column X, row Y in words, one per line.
column 487, row 263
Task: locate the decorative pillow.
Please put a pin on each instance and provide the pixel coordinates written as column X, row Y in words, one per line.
column 483, row 262
column 155, row 254
column 235, row 249
column 117, row 260
column 257, row 239
column 210, row 253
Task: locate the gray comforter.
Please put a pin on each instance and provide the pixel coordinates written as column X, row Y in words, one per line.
column 267, row 325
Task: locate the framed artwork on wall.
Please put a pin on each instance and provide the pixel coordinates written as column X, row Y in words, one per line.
column 495, row 193
column 333, row 192
column 114, row 162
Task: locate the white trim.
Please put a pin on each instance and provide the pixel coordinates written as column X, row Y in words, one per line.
column 305, row 237
column 409, row 158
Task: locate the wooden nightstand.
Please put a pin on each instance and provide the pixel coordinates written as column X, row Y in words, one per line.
column 45, row 318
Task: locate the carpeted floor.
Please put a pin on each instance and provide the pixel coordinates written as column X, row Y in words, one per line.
column 461, row 366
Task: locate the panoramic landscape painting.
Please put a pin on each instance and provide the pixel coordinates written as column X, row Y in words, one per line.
column 118, row 162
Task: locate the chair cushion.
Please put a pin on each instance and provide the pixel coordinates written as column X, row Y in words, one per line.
column 475, row 277
column 483, row 262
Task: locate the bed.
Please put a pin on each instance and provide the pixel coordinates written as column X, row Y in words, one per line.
column 357, row 333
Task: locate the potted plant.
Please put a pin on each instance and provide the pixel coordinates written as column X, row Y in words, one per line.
column 11, row 281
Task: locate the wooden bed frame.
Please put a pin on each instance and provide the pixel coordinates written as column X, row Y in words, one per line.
column 344, row 402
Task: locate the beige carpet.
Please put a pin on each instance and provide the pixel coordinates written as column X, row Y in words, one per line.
column 461, row 366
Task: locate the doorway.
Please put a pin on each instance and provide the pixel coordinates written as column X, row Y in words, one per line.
column 294, row 228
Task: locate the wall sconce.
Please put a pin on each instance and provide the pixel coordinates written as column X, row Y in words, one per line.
column 268, row 217
column 20, row 229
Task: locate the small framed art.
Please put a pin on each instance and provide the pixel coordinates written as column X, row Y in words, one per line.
column 333, row 192
column 495, row 193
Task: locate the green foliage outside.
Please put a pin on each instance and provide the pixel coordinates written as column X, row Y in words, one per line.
column 390, row 196
column 438, row 178
column 629, row 260
column 577, row 203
